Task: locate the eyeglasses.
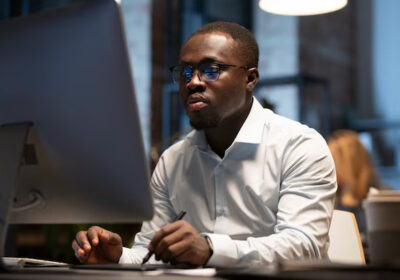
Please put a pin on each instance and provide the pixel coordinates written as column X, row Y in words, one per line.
column 207, row 72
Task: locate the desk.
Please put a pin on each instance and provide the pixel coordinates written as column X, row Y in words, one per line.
column 366, row 273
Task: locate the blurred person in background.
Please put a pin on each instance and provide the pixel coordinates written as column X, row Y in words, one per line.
column 355, row 174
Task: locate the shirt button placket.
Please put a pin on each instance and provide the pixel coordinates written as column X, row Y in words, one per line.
column 219, row 199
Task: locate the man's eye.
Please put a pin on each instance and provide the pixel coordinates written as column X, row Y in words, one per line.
column 187, row 72
column 211, row 72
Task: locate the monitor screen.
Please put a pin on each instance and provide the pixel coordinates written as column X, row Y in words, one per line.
column 67, row 73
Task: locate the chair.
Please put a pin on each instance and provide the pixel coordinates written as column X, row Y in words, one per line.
column 345, row 242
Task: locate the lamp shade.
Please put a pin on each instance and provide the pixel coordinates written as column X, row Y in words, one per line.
column 301, row 7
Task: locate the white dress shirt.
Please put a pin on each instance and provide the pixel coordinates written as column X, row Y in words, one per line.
column 269, row 198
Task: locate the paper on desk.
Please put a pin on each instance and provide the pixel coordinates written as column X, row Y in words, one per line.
column 206, row 272
column 13, row 262
column 23, row 262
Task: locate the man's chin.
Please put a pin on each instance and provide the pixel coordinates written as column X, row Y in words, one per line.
column 203, row 124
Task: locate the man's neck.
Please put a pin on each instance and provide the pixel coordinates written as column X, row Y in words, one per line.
column 221, row 138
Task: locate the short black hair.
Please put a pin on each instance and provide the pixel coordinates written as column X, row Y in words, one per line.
column 240, row 34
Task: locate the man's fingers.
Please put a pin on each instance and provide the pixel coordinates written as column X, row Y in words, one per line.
column 171, row 253
column 166, row 230
column 93, row 235
column 81, row 258
column 80, row 254
column 77, row 249
column 81, row 239
column 168, row 240
column 179, row 248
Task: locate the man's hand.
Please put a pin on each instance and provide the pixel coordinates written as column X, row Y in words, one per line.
column 179, row 242
column 97, row 246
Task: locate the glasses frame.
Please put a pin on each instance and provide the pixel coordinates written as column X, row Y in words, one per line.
column 200, row 74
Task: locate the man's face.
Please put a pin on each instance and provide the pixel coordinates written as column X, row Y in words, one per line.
column 209, row 104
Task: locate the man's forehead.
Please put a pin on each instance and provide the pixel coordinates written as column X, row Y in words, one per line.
column 210, row 46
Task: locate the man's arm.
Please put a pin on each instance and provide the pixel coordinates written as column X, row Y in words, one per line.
column 306, row 198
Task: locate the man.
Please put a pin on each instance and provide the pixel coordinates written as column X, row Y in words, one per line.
column 257, row 187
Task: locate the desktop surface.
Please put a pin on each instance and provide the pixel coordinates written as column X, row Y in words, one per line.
column 328, row 272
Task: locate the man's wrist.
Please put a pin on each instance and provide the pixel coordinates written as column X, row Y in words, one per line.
column 210, row 246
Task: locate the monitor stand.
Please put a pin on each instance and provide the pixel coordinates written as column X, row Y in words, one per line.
column 12, row 140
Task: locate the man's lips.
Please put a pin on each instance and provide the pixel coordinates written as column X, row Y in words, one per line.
column 196, row 103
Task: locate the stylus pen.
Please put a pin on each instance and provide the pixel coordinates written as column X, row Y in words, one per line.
column 149, row 254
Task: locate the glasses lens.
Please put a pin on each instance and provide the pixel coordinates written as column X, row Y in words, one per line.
column 210, row 72
column 187, row 73
column 181, row 73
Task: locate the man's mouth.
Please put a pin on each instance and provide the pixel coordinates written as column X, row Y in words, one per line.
column 196, row 103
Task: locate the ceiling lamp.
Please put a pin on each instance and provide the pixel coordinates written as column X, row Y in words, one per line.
column 301, row 7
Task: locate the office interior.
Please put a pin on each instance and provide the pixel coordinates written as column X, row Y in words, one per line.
column 332, row 71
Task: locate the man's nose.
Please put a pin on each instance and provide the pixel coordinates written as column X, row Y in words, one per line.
column 195, row 82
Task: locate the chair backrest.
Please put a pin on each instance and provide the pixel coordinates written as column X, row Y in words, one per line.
column 345, row 242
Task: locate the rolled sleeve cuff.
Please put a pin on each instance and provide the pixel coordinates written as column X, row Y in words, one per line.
column 125, row 256
column 224, row 250
column 134, row 255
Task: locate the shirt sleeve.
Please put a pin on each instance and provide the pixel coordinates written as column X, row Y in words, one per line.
column 163, row 214
column 306, row 199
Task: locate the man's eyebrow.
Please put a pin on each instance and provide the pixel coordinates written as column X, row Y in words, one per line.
column 204, row 60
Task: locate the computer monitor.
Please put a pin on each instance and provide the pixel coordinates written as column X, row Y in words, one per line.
column 65, row 83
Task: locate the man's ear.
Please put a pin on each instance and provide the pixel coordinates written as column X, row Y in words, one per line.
column 252, row 78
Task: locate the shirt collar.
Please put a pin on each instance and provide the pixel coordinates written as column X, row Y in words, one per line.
column 252, row 129
column 198, row 138
column 250, row 132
